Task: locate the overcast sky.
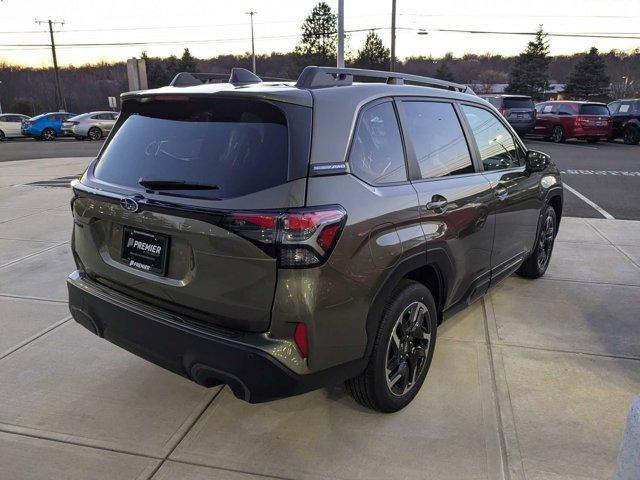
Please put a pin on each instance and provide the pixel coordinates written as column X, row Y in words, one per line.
column 212, row 27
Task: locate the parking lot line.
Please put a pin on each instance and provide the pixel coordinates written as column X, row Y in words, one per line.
column 600, row 210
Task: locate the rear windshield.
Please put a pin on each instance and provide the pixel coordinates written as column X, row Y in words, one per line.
column 510, row 102
column 240, row 146
column 594, row 110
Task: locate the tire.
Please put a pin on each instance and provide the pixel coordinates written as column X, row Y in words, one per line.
column 593, row 140
column 2, row 137
column 537, row 262
column 557, row 134
column 631, row 135
column 48, row 134
column 403, row 343
column 94, row 134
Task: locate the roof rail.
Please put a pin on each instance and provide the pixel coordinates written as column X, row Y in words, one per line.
column 321, row 77
column 238, row 76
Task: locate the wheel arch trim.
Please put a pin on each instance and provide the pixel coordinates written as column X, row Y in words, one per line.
column 399, row 272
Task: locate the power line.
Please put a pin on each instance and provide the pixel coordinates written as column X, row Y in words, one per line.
column 550, row 34
column 511, row 15
column 171, row 27
column 177, row 42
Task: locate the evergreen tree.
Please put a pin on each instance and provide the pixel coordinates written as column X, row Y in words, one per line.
column 319, row 33
column 444, row 72
column 589, row 77
column 156, row 73
column 529, row 75
column 188, row 62
column 374, row 54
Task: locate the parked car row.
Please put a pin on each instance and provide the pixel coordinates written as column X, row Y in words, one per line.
column 561, row 119
column 49, row 126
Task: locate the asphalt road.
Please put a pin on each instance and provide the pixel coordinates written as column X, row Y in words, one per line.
column 606, row 175
column 27, row 148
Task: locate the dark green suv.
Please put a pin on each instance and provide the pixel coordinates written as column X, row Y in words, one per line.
column 279, row 237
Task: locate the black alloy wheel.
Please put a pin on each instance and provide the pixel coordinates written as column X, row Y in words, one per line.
column 536, row 264
column 402, row 350
column 631, row 135
column 545, row 243
column 407, row 349
column 557, row 135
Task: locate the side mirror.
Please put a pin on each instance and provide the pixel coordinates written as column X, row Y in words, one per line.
column 536, row 161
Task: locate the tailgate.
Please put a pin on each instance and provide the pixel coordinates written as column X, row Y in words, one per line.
column 211, row 274
column 151, row 213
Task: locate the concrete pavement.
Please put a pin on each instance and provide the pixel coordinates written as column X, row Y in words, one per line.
column 532, row 382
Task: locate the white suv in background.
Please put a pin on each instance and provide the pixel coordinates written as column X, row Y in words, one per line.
column 11, row 125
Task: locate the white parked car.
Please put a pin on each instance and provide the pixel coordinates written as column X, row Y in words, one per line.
column 11, row 125
column 93, row 125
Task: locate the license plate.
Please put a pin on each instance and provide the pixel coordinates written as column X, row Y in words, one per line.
column 601, row 124
column 520, row 115
column 146, row 251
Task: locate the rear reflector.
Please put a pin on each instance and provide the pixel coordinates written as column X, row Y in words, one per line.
column 300, row 238
column 300, row 337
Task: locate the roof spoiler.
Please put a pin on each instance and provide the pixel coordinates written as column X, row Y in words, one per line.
column 238, row 77
column 322, row 77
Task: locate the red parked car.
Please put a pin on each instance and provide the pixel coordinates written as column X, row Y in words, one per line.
column 559, row 120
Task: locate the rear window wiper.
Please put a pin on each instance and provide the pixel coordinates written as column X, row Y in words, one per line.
column 175, row 185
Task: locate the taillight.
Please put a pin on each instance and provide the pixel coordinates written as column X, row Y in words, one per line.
column 297, row 238
column 301, row 339
column 582, row 120
column 502, row 110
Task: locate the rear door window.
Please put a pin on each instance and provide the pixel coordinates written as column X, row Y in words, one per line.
column 240, row 146
column 566, row 109
column 515, row 102
column 377, row 155
column 587, row 109
column 613, row 107
column 437, row 138
column 498, row 149
column 625, row 107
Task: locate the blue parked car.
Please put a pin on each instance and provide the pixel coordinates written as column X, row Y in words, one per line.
column 46, row 126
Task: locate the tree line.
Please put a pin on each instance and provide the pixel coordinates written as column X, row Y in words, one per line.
column 587, row 75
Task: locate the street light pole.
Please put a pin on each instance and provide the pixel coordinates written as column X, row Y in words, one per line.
column 393, row 35
column 253, row 48
column 0, row 99
column 340, row 58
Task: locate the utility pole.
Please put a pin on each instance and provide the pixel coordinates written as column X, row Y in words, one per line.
column 340, row 63
column 393, row 35
column 253, row 48
column 60, row 100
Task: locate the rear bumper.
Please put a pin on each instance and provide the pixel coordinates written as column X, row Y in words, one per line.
column 522, row 127
column 208, row 356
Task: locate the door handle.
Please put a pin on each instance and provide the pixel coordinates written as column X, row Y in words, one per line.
column 501, row 193
column 437, row 202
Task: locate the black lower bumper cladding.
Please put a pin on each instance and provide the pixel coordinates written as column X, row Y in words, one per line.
column 205, row 357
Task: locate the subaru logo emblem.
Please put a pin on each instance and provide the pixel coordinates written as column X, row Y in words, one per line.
column 129, row 204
